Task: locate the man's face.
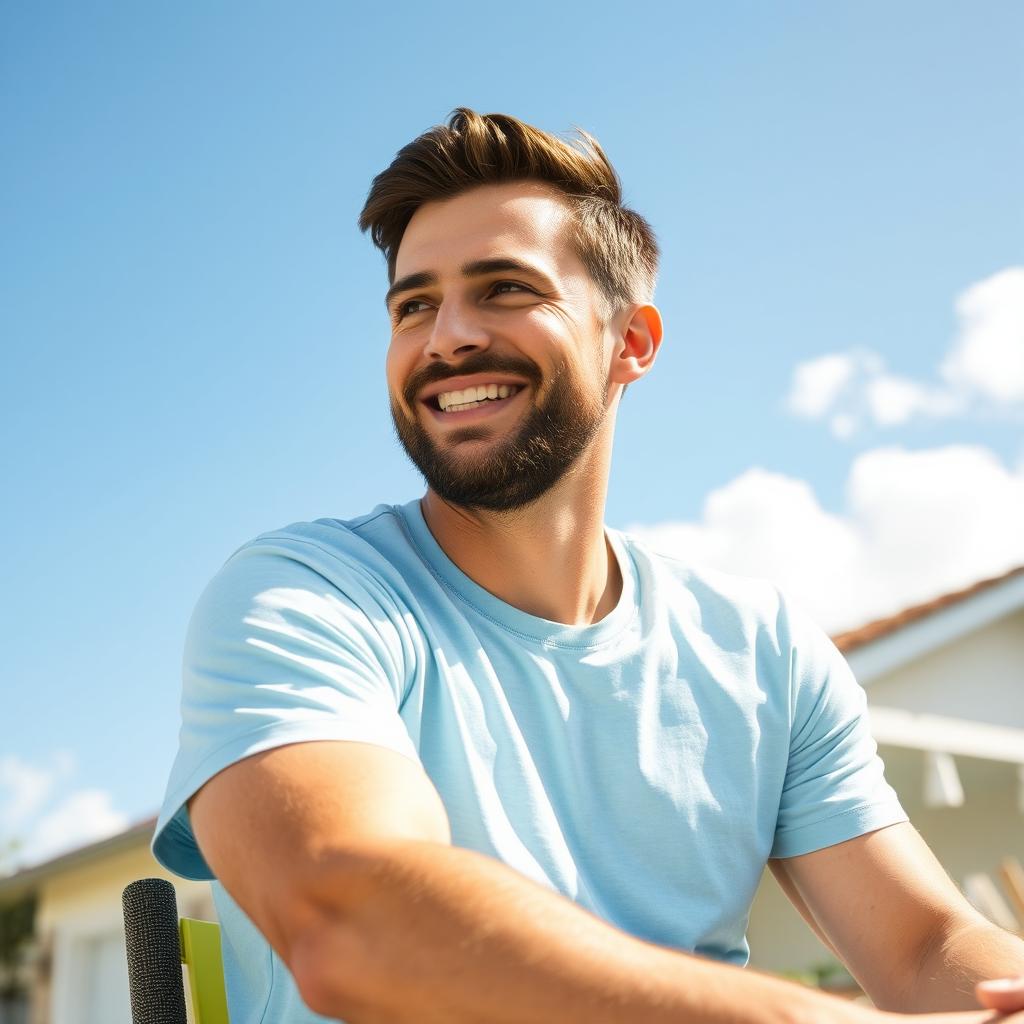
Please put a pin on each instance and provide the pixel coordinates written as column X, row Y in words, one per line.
column 496, row 368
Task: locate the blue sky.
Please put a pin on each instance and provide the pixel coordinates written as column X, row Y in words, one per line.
column 194, row 334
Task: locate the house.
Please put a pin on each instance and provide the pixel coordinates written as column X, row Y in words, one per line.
column 945, row 687
column 76, row 971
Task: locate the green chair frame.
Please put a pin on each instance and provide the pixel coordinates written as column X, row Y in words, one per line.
column 204, row 967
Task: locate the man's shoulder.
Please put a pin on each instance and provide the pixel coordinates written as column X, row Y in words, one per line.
column 753, row 596
column 736, row 612
column 364, row 540
column 368, row 558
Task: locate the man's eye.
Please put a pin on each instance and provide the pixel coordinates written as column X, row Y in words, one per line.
column 507, row 287
column 404, row 309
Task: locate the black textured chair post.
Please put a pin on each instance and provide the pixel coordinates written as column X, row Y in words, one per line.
column 154, row 952
column 158, row 945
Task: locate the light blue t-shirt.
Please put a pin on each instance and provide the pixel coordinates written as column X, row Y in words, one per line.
column 645, row 766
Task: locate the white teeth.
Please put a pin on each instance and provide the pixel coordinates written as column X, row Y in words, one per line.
column 471, row 396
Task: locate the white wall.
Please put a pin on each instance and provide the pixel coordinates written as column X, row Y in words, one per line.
column 979, row 677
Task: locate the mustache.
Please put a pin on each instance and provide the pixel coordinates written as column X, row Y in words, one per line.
column 479, row 362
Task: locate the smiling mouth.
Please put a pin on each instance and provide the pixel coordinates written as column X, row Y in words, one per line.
column 474, row 397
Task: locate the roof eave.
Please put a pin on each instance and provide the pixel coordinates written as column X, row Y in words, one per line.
column 25, row 881
column 943, row 622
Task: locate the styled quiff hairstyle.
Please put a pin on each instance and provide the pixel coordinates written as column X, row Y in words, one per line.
column 615, row 244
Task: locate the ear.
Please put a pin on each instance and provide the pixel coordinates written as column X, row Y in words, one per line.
column 638, row 338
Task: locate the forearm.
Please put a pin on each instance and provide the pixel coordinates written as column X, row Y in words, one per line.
column 431, row 933
column 961, row 955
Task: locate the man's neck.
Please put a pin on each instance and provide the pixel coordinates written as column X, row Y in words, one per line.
column 550, row 559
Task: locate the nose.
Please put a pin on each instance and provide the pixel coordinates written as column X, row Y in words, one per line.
column 457, row 332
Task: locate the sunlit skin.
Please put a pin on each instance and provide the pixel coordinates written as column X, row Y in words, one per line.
column 551, row 557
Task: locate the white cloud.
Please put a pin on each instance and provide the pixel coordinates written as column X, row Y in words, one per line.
column 894, row 400
column 817, row 384
column 985, row 366
column 843, row 425
column 82, row 817
column 43, row 821
column 916, row 525
column 988, row 355
column 854, row 388
column 23, row 788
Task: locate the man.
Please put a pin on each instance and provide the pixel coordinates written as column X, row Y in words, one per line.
column 477, row 758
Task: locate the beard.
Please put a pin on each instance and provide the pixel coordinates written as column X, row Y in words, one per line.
column 516, row 470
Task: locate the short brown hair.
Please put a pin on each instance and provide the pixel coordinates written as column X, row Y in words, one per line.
column 616, row 244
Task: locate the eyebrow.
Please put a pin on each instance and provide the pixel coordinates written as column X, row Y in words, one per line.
column 475, row 268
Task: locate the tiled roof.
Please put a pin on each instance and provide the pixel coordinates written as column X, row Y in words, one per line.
column 854, row 638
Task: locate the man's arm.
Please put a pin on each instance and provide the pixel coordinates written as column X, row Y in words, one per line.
column 340, row 854
column 891, row 913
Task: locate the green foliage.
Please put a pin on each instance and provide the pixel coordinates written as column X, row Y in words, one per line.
column 17, row 924
column 830, row 974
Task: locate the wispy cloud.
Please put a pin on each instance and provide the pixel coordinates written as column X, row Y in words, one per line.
column 81, row 817
column 44, row 814
column 983, row 370
column 915, row 525
column 819, row 383
column 23, row 790
column 988, row 355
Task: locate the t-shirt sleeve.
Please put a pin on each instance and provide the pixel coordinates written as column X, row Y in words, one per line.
column 278, row 653
column 835, row 787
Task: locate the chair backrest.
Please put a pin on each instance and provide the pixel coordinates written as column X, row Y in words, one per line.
column 157, row 944
column 204, row 965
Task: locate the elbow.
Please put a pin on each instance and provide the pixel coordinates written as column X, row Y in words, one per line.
column 326, row 945
column 328, row 964
column 927, row 982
